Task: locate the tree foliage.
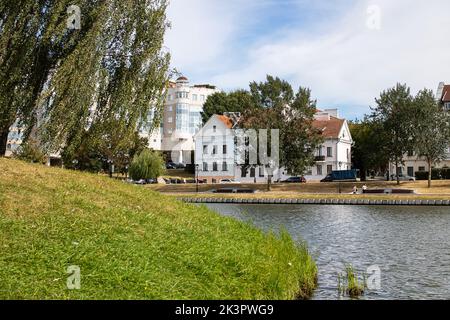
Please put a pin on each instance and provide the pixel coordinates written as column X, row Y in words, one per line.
column 278, row 107
column 432, row 129
column 367, row 151
column 221, row 102
column 148, row 164
column 113, row 67
column 393, row 115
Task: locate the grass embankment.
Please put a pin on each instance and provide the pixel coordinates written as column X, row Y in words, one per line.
column 133, row 243
column 440, row 190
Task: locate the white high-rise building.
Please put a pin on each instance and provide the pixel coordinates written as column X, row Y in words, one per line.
column 181, row 120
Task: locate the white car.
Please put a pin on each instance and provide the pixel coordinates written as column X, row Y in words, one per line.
column 228, row 181
column 402, row 178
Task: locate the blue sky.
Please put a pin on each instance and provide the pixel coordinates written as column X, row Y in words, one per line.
column 346, row 51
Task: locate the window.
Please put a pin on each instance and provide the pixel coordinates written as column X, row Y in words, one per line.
column 214, row 150
column 170, row 108
column 329, row 152
column 261, row 172
column 214, row 129
column 194, row 97
column 169, row 97
column 410, row 153
column 411, row 171
column 329, row 169
column 309, row 172
column 182, row 95
column 214, row 166
column 202, row 97
column 205, row 149
column 224, row 166
column 252, row 172
column 319, row 170
column 447, row 106
column 421, row 169
column 169, row 119
column 205, row 166
column 348, row 154
column 224, row 149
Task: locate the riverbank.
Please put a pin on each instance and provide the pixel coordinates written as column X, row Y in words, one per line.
column 133, row 243
column 316, row 201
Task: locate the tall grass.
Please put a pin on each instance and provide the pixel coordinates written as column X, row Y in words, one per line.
column 133, row 243
column 349, row 284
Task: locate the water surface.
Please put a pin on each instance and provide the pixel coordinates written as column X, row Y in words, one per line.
column 411, row 245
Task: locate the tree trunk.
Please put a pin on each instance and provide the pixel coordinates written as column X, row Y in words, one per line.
column 429, row 173
column 269, row 183
column 396, row 173
column 3, row 141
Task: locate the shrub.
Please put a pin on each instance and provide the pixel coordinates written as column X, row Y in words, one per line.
column 436, row 174
column 30, row 151
column 445, row 173
column 147, row 165
column 421, row 175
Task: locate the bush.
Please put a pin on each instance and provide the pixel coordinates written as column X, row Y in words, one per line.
column 445, row 173
column 421, row 175
column 147, row 165
column 30, row 151
column 436, row 174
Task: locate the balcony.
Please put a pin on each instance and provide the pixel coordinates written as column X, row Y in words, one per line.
column 319, row 159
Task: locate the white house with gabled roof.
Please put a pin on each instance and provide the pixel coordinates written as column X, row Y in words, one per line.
column 216, row 155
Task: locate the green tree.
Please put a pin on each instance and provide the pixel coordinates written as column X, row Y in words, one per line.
column 113, row 67
column 147, row 165
column 221, row 102
column 432, row 129
column 34, row 39
column 393, row 115
column 367, row 150
column 293, row 114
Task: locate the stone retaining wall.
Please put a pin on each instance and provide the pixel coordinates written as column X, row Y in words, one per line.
column 321, row 201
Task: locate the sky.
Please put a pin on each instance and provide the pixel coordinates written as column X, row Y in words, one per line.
column 345, row 51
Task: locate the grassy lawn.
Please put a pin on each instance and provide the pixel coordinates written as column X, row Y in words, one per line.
column 133, row 243
column 440, row 190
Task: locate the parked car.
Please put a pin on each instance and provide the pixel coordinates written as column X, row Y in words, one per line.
column 226, row 181
column 342, row 175
column 170, row 165
column 295, row 180
column 174, row 165
column 402, row 177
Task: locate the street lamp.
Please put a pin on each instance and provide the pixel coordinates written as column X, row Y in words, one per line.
column 196, row 177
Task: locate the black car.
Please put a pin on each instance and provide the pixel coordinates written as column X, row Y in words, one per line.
column 295, row 180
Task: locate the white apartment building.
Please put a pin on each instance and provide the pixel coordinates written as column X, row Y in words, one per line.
column 216, row 155
column 181, row 119
column 412, row 162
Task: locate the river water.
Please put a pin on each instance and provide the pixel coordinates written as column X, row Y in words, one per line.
column 410, row 245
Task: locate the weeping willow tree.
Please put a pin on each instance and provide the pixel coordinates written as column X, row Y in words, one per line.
column 105, row 76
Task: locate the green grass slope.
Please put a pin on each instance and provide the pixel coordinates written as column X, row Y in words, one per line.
column 133, row 243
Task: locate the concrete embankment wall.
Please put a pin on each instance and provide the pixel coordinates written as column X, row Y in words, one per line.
column 321, row 201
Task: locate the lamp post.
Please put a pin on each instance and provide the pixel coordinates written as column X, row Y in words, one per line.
column 196, row 177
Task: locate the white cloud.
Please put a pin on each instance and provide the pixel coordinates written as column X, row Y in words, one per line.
column 343, row 61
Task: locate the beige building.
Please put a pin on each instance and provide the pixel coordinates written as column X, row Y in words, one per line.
column 414, row 163
column 181, row 120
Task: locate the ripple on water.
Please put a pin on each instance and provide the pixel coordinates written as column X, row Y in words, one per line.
column 410, row 244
